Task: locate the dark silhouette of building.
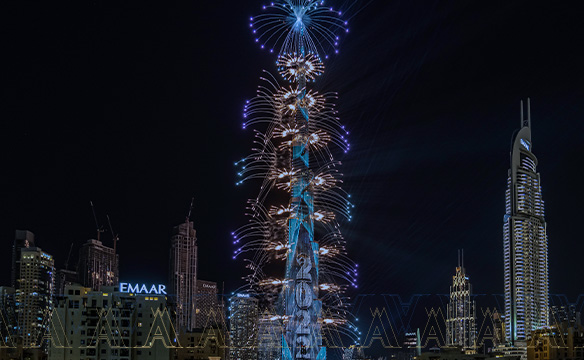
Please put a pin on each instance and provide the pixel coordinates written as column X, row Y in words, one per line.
column 98, row 265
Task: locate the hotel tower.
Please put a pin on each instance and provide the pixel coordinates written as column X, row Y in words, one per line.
column 525, row 242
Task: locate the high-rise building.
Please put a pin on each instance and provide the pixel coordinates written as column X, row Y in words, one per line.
column 563, row 314
column 243, row 327
column 34, row 296
column 183, row 275
column 498, row 329
column 98, row 265
column 525, row 242
column 23, row 239
column 270, row 332
column 461, row 312
column 207, row 310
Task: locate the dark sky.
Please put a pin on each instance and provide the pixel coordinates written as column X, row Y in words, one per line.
column 137, row 106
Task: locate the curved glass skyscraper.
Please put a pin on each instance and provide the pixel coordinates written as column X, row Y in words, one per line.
column 525, row 242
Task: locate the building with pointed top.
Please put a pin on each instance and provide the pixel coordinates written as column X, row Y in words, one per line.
column 183, row 275
column 461, row 312
column 525, row 242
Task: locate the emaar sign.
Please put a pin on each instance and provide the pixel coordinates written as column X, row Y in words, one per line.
column 143, row 289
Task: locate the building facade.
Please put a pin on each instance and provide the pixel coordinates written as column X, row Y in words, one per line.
column 565, row 341
column 243, row 327
column 23, row 239
column 525, row 242
column 208, row 312
column 270, row 330
column 183, row 275
column 110, row 324
column 7, row 316
column 201, row 344
column 63, row 278
column 461, row 313
column 98, row 265
column 34, row 296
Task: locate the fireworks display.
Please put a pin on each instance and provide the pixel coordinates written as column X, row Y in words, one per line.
column 294, row 220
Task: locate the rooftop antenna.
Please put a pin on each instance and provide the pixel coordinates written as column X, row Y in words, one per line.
column 526, row 122
column 115, row 236
column 458, row 253
column 190, row 209
column 99, row 230
column 462, row 257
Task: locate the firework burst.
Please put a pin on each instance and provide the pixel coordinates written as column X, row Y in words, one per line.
column 297, row 131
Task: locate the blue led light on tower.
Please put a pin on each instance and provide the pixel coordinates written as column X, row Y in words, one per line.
column 294, row 127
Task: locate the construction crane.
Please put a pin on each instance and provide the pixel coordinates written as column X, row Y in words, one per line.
column 68, row 256
column 99, row 229
column 190, row 209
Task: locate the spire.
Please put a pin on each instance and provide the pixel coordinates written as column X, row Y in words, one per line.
column 190, row 209
column 526, row 122
column 461, row 257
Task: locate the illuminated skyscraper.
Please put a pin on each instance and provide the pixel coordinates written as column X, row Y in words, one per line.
column 243, row 327
column 34, row 297
column 23, row 239
column 461, row 312
column 525, row 242
column 183, row 275
column 208, row 312
column 98, row 265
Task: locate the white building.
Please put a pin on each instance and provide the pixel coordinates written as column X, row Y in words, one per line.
column 525, row 242
column 461, row 313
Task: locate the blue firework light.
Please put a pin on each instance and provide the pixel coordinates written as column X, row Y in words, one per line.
column 299, row 25
column 297, row 131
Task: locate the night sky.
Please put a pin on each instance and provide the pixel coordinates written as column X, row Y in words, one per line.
column 137, row 106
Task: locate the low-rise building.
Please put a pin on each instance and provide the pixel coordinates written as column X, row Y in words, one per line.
column 565, row 341
column 201, row 344
column 457, row 353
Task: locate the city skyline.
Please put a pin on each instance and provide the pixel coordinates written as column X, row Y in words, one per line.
column 420, row 174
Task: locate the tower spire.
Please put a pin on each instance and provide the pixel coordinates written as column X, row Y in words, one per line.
column 190, row 209
column 526, row 122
